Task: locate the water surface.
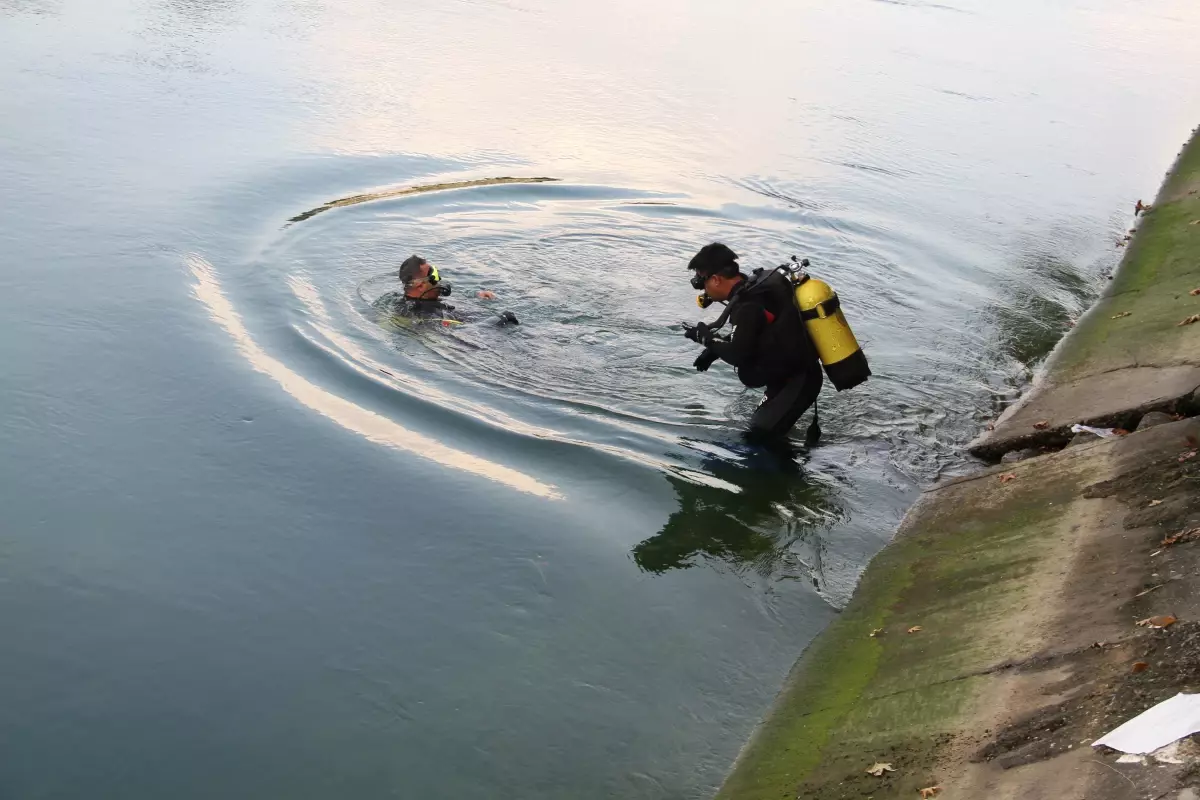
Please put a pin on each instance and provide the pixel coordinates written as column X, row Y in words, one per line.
column 257, row 542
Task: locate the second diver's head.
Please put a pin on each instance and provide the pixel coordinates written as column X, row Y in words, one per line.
column 420, row 279
column 716, row 271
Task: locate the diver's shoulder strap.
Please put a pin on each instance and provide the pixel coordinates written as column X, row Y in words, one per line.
column 822, row 310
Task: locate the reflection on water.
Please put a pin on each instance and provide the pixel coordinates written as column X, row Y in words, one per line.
column 490, row 564
column 367, row 423
column 772, row 525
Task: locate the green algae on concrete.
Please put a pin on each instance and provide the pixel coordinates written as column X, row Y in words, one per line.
column 854, row 698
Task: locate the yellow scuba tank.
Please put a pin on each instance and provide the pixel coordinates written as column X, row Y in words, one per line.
column 836, row 346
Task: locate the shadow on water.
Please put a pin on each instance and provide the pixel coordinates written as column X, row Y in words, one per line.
column 773, row 525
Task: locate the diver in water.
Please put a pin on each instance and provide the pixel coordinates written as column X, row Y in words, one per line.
column 421, row 298
column 770, row 346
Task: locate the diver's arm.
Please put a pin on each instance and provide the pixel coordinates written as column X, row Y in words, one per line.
column 748, row 320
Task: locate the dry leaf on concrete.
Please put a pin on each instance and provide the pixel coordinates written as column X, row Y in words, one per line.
column 1164, row 621
column 1139, row 666
column 876, row 632
column 915, row 629
column 1194, row 318
column 930, row 791
column 1008, row 476
column 1183, row 536
column 878, row 768
column 1195, row 292
column 1041, row 426
column 1154, row 503
column 1122, row 314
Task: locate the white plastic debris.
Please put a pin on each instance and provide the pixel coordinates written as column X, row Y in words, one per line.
column 1103, row 433
column 1167, row 722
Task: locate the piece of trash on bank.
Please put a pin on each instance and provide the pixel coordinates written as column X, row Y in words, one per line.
column 878, row 768
column 1041, row 426
column 1182, row 536
column 1194, row 318
column 1008, row 476
column 915, row 629
column 875, row 633
column 1188, row 456
column 1103, row 433
column 1154, row 503
column 1122, row 314
column 1158, row 623
column 930, row 791
column 1154, row 729
column 1195, row 292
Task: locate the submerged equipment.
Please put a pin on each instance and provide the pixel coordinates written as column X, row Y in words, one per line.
column 821, row 309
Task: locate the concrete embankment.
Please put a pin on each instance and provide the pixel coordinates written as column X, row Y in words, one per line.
column 997, row 636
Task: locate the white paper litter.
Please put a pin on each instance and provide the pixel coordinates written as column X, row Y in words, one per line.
column 1103, row 433
column 1167, row 722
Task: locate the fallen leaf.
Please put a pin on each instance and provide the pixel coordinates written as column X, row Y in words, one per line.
column 876, row 632
column 1188, row 456
column 1139, row 666
column 878, row 768
column 1194, row 222
column 1122, row 314
column 915, row 629
column 1189, row 321
column 1164, row 621
column 1120, row 432
column 1041, row 426
column 930, row 791
column 1183, row 536
column 1008, row 476
column 1195, row 292
column 1154, row 503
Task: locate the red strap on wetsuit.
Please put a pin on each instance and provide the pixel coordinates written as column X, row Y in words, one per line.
column 770, row 316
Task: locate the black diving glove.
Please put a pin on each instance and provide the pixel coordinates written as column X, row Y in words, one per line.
column 698, row 333
column 705, row 360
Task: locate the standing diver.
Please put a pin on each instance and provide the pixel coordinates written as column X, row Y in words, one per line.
column 773, row 314
column 421, row 299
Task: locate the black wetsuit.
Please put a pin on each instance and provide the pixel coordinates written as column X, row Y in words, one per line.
column 435, row 311
column 416, row 309
column 770, row 349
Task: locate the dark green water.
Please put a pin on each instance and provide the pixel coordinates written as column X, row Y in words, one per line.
column 254, row 544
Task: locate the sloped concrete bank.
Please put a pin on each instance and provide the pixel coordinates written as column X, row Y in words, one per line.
column 995, row 638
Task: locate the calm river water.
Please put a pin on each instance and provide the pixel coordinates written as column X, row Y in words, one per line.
column 256, row 542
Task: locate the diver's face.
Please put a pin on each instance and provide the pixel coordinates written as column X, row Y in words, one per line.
column 719, row 287
column 422, row 287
